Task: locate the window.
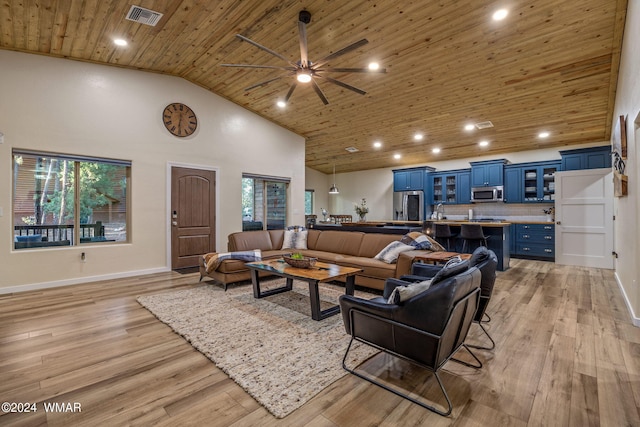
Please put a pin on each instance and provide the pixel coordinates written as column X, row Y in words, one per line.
column 53, row 208
column 264, row 202
column 308, row 202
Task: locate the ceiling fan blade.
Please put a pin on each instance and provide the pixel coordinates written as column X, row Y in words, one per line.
column 266, row 49
column 291, row 89
column 259, row 66
column 351, row 70
column 342, row 84
column 324, row 99
column 264, row 83
column 340, row 52
column 304, row 52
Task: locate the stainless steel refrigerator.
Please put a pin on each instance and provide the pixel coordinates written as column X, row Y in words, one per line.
column 408, row 205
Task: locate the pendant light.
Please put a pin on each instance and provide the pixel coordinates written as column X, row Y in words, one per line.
column 334, row 189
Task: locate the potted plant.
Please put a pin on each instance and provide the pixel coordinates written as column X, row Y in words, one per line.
column 362, row 210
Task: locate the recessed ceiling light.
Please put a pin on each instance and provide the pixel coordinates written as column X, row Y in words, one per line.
column 483, row 143
column 435, row 150
column 374, row 66
column 418, row 136
column 469, row 127
column 500, row 14
column 397, row 156
column 120, row 42
column 543, row 135
column 377, row 144
column 281, row 104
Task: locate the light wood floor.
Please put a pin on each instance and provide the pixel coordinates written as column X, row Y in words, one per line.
column 567, row 355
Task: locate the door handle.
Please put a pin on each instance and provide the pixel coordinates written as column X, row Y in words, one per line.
column 558, row 222
column 175, row 223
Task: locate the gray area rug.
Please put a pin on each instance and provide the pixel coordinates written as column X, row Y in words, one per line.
column 271, row 347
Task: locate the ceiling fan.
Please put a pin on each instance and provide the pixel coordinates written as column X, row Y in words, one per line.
column 305, row 70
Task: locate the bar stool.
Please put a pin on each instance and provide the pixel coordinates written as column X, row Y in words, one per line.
column 474, row 233
column 443, row 232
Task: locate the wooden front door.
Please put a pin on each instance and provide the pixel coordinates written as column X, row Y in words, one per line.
column 192, row 215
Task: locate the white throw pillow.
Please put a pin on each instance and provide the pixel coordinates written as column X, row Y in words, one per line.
column 392, row 251
column 402, row 293
column 295, row 239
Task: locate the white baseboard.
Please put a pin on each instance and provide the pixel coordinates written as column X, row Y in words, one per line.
column 634, row 319
column 77, row 281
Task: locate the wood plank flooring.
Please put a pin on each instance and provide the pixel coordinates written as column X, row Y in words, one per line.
column 567, row 355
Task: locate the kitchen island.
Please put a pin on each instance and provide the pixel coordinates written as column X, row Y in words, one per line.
column 498, row 235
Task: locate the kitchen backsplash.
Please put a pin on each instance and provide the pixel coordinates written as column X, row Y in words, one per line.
column 507, row 211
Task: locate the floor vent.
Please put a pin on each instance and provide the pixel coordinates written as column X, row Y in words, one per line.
column 144, row 16
column 352, row 149
column 484, row 125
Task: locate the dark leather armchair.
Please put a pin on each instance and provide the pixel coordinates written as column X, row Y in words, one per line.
column 486, row 261
column 427, row 329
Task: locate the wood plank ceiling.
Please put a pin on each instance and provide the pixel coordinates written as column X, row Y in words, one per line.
column 550, row 65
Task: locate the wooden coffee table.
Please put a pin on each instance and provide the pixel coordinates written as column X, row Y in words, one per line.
column 440, row 257
column 321, row 272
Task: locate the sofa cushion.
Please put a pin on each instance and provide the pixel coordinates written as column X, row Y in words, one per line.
column 372, row 243
column 323, row 256
column 370, row 267
column 340, row 242
column 249, row 240
column 236, row 265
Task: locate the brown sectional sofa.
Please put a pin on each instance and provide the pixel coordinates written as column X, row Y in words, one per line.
column 347, row 248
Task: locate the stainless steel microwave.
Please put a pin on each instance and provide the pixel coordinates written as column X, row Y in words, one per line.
column 487, row 194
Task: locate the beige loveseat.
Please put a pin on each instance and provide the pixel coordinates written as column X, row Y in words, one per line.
column 347, row 248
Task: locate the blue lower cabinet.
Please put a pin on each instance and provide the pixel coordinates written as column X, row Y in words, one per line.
column 535, row 241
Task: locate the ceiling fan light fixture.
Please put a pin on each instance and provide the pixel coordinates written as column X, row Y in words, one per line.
column 303, row 76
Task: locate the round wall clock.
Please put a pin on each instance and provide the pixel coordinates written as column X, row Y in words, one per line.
column 179, row 119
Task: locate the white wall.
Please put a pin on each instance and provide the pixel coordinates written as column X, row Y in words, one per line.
column 627, row 232
column 73, row 107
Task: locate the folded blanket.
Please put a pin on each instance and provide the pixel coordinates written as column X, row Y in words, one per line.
column 212, row 260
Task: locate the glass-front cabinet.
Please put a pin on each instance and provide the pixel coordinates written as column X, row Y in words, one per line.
column 539, row 182
column 450, row 187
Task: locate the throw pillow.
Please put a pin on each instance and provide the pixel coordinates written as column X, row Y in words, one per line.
column 392, row 251
column 295, row 239
column 417, row 240
column 402, row 293
column 454, row 266
column 435, row 246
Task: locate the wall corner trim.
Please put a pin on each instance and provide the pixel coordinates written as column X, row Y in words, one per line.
column 634, row 319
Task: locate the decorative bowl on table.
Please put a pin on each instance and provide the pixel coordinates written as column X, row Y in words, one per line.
column 304, row 262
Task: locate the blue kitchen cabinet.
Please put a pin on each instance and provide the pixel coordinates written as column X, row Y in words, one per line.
column 463, row 189
column 450, row 187
column 535, row 241
column 586, row 158
column 408, row 179
column 513, row 184
column 488, row 173
column 538, row 181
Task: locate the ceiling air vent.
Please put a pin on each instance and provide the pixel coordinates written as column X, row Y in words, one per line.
column 144, row 16
column 484, row 125
column 352, row 149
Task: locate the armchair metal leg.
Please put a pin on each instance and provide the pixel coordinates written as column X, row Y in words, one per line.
column 493, row 343
column 397, row 392
column 471, row 365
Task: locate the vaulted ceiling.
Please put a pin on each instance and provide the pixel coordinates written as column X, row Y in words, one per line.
column 550, row 65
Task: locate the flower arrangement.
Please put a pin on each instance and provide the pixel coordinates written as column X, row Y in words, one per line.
column 362, row 208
